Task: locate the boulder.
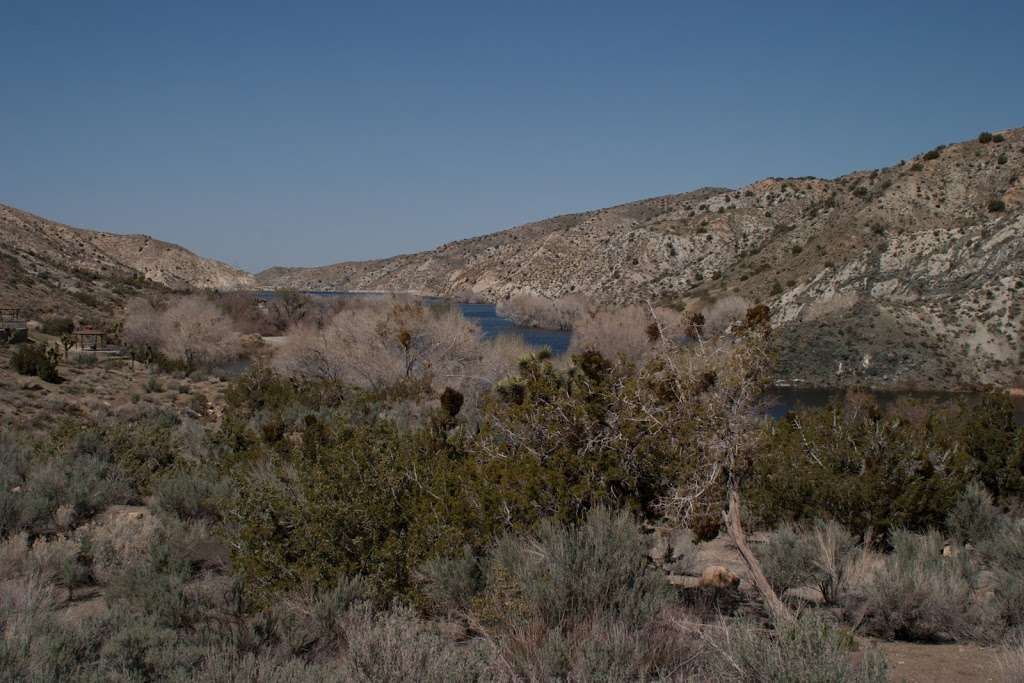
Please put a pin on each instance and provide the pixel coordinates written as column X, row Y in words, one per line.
column 717, row 576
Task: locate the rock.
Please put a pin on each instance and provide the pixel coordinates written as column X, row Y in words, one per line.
column 717, row 576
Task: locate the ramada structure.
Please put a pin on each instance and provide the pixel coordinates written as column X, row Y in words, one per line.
column 90, row 339
column 13, row 326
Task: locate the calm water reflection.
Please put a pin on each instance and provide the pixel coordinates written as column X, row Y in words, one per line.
column 785, row 400
column 493, row 325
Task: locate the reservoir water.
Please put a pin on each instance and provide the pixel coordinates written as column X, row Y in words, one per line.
column 492, row 325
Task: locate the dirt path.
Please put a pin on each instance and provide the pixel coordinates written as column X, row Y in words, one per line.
column 916, row 663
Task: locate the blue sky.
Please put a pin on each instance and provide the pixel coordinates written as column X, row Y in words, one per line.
column 273, row 133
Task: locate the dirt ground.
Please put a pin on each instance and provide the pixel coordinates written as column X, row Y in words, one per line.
column 101, row 388
column 917, row 663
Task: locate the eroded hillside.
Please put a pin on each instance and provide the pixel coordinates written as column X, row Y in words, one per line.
column 51, row 268
column 908, row 275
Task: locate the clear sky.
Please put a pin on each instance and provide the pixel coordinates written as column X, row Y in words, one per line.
column 303, row 133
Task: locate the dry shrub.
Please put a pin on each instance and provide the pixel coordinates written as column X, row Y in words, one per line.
column 628, row 333
column 921, row 595
column 190, row 329
column 119, row 539
column 820, row 556
column 1011, row 661
column 13, row 556
column 24, row 603
column 568, row 603
column 974, row 519
column 55, row 562
column 723, row 313
column 809, row 649
column 1005, row 554
column 397, row 646
column 191, row 494
column 536, row 311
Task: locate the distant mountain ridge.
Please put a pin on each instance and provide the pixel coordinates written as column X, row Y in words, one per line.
column 907, row 275
column 49, row 266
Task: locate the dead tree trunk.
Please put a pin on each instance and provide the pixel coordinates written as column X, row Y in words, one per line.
column 734, row 525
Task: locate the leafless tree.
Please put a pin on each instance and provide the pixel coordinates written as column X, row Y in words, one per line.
column 627, row 333
column 187, row 328
column 537, row 311
column 194, row 330
column 722, row 313
column 141, row 323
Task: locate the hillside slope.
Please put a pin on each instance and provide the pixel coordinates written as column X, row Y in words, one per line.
column 908, row 275
column 52, row 268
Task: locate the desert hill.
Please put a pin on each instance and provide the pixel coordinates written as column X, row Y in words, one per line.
column 906, row 275
column 49, row 267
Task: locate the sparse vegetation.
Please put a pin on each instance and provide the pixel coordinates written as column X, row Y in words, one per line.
column 384, row 495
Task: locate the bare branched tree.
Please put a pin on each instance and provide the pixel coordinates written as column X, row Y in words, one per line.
column 379, row 346
column 191, row 329
column 628, row 333
column 537, row 311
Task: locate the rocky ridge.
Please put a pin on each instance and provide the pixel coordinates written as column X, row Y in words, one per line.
column 911, row 275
